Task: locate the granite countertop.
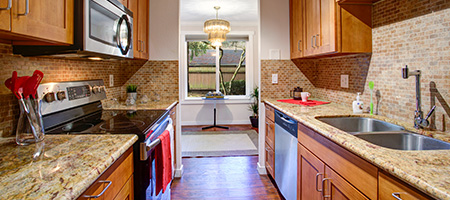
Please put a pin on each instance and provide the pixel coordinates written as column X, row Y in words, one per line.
column 60, row 167
column 426, row 170
column 152, row 105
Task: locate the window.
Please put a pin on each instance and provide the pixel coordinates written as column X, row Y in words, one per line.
column 201, row 68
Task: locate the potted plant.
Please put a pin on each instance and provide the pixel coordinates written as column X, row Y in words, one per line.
column 132, row 93
column 254, row 107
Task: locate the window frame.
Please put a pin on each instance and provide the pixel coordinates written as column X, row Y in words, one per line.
column 249, row 69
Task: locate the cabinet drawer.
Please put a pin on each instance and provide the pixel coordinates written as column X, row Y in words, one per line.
column 270, row 160
column 118, row 174
column 360, row 173
column 389, row 186
column 270, row 113
column 127, row 192
column 270, row 133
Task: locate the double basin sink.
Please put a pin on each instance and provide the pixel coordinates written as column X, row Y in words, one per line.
column 384, row 134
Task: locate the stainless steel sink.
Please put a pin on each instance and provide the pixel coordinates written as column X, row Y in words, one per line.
column 354, row 125
column 404, row 141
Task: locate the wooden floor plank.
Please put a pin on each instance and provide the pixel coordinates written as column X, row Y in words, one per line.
column 233, row 178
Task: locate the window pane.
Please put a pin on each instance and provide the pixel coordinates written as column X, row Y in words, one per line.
column 201, row 68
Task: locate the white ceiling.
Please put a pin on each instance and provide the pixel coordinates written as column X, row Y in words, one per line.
column 230, row 10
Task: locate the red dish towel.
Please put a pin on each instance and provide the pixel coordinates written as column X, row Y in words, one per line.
column 300, row 102
column 163, row 162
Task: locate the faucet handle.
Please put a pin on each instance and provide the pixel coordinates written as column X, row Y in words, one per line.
column 430, row 113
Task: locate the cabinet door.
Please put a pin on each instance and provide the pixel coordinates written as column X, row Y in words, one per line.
column 47, row 19
column 143, row 16
column 5, row 15
column 270, row 133
column 337, row 188
column 390, row 187
column 133, row 6
column 296, row 23
column 326, row 37
column 311, row 25
column 270, row 160
column 310, row 174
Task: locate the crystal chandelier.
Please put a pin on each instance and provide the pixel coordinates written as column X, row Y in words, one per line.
column 216, row 29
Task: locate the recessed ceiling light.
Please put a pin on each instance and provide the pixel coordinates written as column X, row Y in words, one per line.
column 95, row 58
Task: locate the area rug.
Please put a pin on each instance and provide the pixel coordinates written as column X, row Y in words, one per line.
column 219, row 143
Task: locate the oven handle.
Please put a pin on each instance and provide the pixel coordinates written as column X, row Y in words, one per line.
column 147, row 145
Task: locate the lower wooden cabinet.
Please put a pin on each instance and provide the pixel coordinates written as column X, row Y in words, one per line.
column 390, row 187
column 310, row 175
column 270, row 160
column 336, row 187
column 119, row 177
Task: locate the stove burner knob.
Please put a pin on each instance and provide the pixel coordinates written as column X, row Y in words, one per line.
column 49, row 97
column 61, row 95
column 95, row 89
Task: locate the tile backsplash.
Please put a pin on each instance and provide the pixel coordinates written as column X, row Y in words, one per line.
column 55, row 69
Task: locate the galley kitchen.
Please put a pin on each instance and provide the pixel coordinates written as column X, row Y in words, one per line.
column 224, row 99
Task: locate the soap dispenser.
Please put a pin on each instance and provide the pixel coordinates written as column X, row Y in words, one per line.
column 358, row 105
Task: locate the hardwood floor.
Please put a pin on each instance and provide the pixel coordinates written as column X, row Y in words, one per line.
column 223, row 178
column 234, row 178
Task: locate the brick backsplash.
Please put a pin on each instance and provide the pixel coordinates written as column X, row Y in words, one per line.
column 55, row 69
column 413, row 33
column 289, row 76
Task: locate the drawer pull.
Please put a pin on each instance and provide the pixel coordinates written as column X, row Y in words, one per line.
column 27, row 8
column 101, row 193
column 7, row 7
column 323, row 188
column 396, row 195
column 317, row 188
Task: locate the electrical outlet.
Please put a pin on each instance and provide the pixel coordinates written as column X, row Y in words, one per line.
column 344, row 81
column 274, row 78
column 111, row 80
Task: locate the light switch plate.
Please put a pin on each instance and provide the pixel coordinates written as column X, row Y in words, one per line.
column 274, row 78
column 344, row 81
column 111, row 80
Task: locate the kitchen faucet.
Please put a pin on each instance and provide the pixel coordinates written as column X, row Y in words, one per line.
column 419, row 121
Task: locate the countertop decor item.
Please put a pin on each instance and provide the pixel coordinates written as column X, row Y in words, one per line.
column 131, row 94
column 254, row 107
column 296, row 93
column 371, row 84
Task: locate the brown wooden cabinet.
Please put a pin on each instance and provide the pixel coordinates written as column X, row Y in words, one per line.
column 270, row 140
column 45, row 21
column 119, row 177
column 365, row 2
column 329, row 28
column 296, row 27
column 310, row 175
column 140, row 9
column 390, row 187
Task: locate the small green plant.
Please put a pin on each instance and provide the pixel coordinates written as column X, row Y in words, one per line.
column 131, row 88
column 254, row 106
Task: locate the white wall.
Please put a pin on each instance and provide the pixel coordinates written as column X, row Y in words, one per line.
column 164, row 29
column 228, row 111
column 274, row 28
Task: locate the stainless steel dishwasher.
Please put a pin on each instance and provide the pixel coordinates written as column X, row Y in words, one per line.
column 286, row 155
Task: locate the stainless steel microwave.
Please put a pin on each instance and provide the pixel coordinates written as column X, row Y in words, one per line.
column 102, row 28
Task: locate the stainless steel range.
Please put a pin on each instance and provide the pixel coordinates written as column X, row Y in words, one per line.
column 76, row 108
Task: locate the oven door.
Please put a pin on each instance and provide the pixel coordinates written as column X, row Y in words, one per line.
column 107, row 29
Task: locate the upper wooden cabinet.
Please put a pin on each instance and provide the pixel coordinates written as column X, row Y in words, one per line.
column 296, row 27
column 29, row 21
column 328, row 28
column 140, row 9
column 366, row 2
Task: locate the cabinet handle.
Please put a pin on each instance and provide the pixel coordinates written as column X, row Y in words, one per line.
column 323, row 188
column 312, row 41
column 143, row 46
column 317, row 188
column 396, row 195
column 101, row 193
column 139, row 46
column 27, row 8
column 316, row 37
column 298, row 45
column 7, row 7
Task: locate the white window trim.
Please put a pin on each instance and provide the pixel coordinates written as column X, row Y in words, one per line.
column 249, row 71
